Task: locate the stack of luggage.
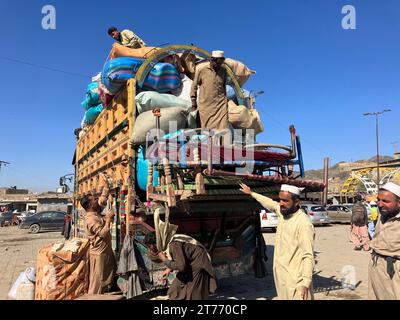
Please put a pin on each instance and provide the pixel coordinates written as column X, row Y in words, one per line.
column 167, row 87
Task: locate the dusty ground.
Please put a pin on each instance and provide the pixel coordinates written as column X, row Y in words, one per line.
column 18, row 250
column 333, row 252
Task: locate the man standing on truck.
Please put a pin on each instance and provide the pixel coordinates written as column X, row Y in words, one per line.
column 384, row 267
column 126, row 37
column 195, row 279
column 359, row 222
column 294, row 244
column 102, row 262
column 213, row 103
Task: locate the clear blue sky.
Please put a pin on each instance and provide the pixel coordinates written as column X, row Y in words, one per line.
column 315, row 75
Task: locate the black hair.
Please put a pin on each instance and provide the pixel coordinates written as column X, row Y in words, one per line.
column 150, row 238
column 111, row 30
column 295, row 197
column 86, row 201
column 358, row 197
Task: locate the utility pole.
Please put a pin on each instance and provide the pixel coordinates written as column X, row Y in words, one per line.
column 326, row 173
column 3, row 163
column 376, row 114
column 395, row 145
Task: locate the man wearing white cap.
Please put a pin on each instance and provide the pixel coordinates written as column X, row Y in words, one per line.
column 212, row 102
column 294, row 244
column 384, row 267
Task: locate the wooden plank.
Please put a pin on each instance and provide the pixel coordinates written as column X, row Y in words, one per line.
column 131, row 113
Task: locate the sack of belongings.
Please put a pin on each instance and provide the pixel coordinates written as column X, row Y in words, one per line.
column 243, row 118
column 231, row 94
column 163, row 78
column 62, row 270
column 142, row 170
column 171, row 120
column 149, row 100
column 24, row 287
column 92, row 113
column 241, row 72
column 184, row 90
column 118, row 50
column 117, row 71
column 92, row 96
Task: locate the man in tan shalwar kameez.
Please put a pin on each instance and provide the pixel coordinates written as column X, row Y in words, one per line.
column 294, row 244
column 213, row 103
column 384, row 267
column 101, row 256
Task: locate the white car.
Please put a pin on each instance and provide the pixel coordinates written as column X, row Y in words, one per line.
column 269, row 220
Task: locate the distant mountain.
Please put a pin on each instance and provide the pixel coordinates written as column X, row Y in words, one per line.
column 381, row 158
column 334, row 170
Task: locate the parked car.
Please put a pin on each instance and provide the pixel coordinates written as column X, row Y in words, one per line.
column 339, row 213
column 45, row 220
column 348, row 205
column 317, row 214
column 6, row 218
column 269, row 220
column 23, row 215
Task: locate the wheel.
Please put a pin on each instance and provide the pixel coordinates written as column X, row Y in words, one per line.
column 34, row 228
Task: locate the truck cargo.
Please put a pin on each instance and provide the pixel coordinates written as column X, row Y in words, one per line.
column 187, row 174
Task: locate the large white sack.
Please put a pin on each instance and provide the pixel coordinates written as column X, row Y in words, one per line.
column 183, row 91
column 171, row 120
column 149, row 100
column 243, row 118
column 240, row 70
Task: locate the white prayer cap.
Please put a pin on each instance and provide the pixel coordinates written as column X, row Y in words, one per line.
column 392, row 187
column 217, row 54
column 291, row 189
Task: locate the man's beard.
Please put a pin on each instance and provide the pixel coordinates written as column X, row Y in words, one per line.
column 386, row 215
column 286, row 212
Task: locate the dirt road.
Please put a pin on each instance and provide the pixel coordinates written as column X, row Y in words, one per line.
column 333, row 252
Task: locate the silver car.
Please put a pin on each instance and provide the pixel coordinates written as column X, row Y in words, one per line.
column 339, row 213
column 317, row 214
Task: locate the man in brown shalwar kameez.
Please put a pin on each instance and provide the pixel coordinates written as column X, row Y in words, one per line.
column 195, row 279
column 384, row 267
column 213, row 103
column 101, row 256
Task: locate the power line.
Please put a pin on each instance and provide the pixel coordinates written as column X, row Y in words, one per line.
column 302, row 138
column 45, row 67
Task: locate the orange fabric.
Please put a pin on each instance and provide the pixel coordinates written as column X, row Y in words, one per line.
column 119, row 50
column 62, row 275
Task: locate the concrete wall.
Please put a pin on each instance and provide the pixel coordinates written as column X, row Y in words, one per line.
column 52, row 205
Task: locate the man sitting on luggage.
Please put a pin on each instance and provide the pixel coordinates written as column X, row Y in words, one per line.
column 126, row 37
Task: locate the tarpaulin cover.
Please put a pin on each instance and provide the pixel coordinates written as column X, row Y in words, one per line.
column 164, row 77
column 92, row 114
column 117, row 71
column 142, row 170
column 92, row 96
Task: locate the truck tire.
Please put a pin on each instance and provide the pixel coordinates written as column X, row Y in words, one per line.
column 34, row 228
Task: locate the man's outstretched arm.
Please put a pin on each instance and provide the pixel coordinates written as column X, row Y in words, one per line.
column 266, row 202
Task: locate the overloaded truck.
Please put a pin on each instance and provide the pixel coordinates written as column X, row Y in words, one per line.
column 190, row 175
